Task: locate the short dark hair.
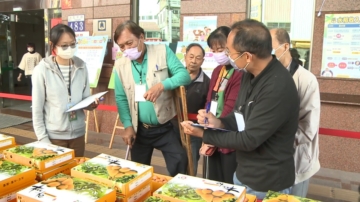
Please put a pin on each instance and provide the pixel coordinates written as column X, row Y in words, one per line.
column 282, row 36
column 32, row 45
column 252, row 36
column 57, row 31
column 219, row 35
column 195, row 45
column 131, row 26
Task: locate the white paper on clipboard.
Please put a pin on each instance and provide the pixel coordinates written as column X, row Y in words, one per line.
column 86, row 102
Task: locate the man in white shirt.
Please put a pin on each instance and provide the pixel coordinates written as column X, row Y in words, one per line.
column 307, row 138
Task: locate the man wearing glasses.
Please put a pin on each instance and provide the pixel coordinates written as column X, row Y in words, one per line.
column 262, row 127
column 145, row 78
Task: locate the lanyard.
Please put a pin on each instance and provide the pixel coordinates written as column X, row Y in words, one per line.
column 138, row 71
column 69, row 87
column 222, row 80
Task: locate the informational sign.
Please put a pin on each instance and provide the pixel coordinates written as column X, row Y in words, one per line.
column 91, row 50
column 341, row 46
column 255, row 10
column 102, row 27
column 209, row 63
column 77, row 22
column 86, row 33
column 198, row 28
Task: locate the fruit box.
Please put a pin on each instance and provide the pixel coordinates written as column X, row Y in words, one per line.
column 10, row 196
column 158, row 181
column 65, row 169
column 272, row 196
column 138, row 196
column 251, row 198
column 63, row 187
column 125, row 176
column 6, row 141
column 42, row 156
column 188, row 188
column 13, row 175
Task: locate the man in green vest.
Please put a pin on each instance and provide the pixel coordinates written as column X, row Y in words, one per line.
column 145, row 78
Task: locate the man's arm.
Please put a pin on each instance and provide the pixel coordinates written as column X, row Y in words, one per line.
column 309, row 116
column 178, row 74
column 267, row 115
column 38, row 102
column 122, row 102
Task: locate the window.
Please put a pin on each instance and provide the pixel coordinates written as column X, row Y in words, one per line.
column 272, row 25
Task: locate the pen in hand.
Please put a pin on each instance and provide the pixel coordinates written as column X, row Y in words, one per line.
column 207, row 111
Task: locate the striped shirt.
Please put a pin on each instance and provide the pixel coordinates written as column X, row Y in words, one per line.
column 65, row 72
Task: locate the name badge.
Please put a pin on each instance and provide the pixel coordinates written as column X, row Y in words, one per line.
column 240, row 121
column 72, row 114
column 140, row 90
column 213, row 107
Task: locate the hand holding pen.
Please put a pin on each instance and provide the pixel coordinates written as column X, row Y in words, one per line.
column 206, row 122
column 205, row 117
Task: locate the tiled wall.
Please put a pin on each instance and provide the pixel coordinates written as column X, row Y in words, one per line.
column 336, row 152
column 227, row 11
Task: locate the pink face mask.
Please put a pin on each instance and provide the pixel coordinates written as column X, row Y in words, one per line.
column 133, row 53
column 221, row 58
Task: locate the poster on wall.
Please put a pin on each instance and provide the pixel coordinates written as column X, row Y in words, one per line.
column 341, row 46
column 209, row 63
column 55, row 21
column 198, row 28
column 91, row 49
column 255, row 10
column 65, row 4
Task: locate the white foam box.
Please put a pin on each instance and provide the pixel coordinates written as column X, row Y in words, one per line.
column 64, row 188
column 187, row 188
column 6, row 141
column 127, row 177
column 40, row 155
column 13, row 175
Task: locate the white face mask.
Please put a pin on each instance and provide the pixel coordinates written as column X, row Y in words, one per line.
column 66, row 54
column 30, row 50
column 232, row 62
column 273, row 52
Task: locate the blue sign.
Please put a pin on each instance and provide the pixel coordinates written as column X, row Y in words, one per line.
column 77, row 26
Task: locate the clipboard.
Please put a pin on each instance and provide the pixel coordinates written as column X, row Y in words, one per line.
column 207, row 127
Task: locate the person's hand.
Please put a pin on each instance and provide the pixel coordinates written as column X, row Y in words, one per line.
column 129, row 136
column 212, row 121
column 204, row 148
column 154, row 92
column 95, row 104
column 191, row 130
column 19, row 78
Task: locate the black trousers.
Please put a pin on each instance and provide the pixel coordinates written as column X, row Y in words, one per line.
column 222, row 167
column 166, row 140
column 29, row 83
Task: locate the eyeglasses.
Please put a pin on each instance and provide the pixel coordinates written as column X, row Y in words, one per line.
column 227, row 52
column 65, row 47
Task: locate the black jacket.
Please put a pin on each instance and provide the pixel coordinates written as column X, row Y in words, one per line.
column 264, row 150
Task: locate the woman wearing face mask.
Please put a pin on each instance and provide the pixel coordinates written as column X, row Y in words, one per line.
column 60, row 81
column 27, row 64
column 223, row 90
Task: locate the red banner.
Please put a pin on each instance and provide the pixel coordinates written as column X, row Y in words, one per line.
column 55, row 21
column 65, row 4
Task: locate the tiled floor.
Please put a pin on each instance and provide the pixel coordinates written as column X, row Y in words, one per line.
column 335, row 184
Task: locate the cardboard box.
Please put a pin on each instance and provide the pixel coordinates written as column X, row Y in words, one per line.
column 11, row 195
column 273, row 196
column 6, row 141
column 158, row 181
column 125, row 176
column 13, row 175
column 138, row 196
column 187, row 188
column 64, row 169
column 155, row 199
column 66, row 188
column 40, row 155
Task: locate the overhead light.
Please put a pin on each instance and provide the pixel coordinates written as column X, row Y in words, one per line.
column 17, row 9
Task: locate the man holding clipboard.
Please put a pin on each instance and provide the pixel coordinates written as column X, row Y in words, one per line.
column 263, row 125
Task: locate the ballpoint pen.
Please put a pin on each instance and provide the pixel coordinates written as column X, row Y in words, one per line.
column 207, row 111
